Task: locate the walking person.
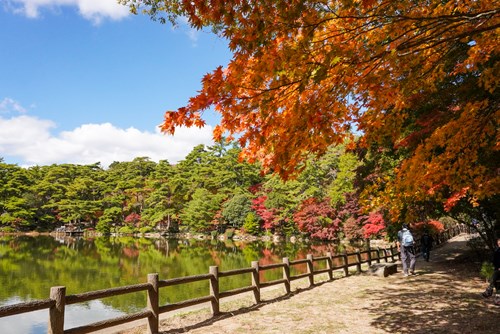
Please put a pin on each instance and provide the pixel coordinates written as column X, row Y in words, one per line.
column 426, row 245
column 406, row 245
column 496, row 273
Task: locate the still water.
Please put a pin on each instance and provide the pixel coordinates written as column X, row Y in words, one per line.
column 29, row 266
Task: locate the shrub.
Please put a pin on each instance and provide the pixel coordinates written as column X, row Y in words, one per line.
column 229, row 233
column 487, row 270
column 251, row 224
column 104, row 226
column 478, row 248
column 126, row 230
column 145, row 229
column 7, row 229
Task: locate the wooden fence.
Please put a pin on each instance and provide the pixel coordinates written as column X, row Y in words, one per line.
column 58, row 300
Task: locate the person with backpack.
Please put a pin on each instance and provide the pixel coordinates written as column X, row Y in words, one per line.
column 426, row 245
column 406, row 245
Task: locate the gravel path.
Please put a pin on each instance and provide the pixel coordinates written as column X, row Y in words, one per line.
column 443, row 297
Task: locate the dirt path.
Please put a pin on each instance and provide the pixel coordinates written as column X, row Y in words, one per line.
column 444, row 297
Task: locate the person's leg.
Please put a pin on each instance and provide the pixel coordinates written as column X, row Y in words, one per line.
column 425, row 253
column 496, row 286
column 495, row 277
column 489, row 290
column 413, row 259
column 404, row 259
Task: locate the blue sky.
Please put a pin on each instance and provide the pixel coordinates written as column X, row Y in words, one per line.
column 83, row 81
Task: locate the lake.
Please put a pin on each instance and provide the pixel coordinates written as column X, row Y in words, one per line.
column 31, row 265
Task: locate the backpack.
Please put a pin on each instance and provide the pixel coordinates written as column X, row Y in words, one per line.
column 407, row 238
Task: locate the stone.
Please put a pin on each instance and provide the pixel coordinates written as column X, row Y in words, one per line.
column 383, row 269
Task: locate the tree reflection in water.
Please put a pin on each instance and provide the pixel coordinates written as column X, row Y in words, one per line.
column 32, row 264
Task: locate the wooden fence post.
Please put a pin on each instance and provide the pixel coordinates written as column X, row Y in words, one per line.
column 392, row 253
column 310, row 269
column 153, row 304
column 286, row 274
column 358, row 261
column 346, row 264
column 56, row 312
column 378, row 254
column 369, row 256
column 214, row 289
column 256, row 281
column 329, row 265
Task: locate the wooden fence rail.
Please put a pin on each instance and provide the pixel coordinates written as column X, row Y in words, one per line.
column 58, row 300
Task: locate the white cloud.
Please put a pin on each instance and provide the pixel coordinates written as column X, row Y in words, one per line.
column 93, row 10
column 192, row 33
column 8, row 105
column 30, row 139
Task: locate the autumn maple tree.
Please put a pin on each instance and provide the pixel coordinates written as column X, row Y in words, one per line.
column 317, row 219
column 268, row 216
column 417, row 76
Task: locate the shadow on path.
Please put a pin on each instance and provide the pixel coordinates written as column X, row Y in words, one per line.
column 444, row 297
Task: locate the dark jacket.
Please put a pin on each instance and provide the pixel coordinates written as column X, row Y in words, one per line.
column 496, row 258
column 426, row 240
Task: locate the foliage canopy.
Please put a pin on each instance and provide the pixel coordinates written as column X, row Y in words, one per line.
column 420, row 77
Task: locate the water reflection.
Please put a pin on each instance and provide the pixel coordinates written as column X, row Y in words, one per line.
column 29, row 266
column 75, row 315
